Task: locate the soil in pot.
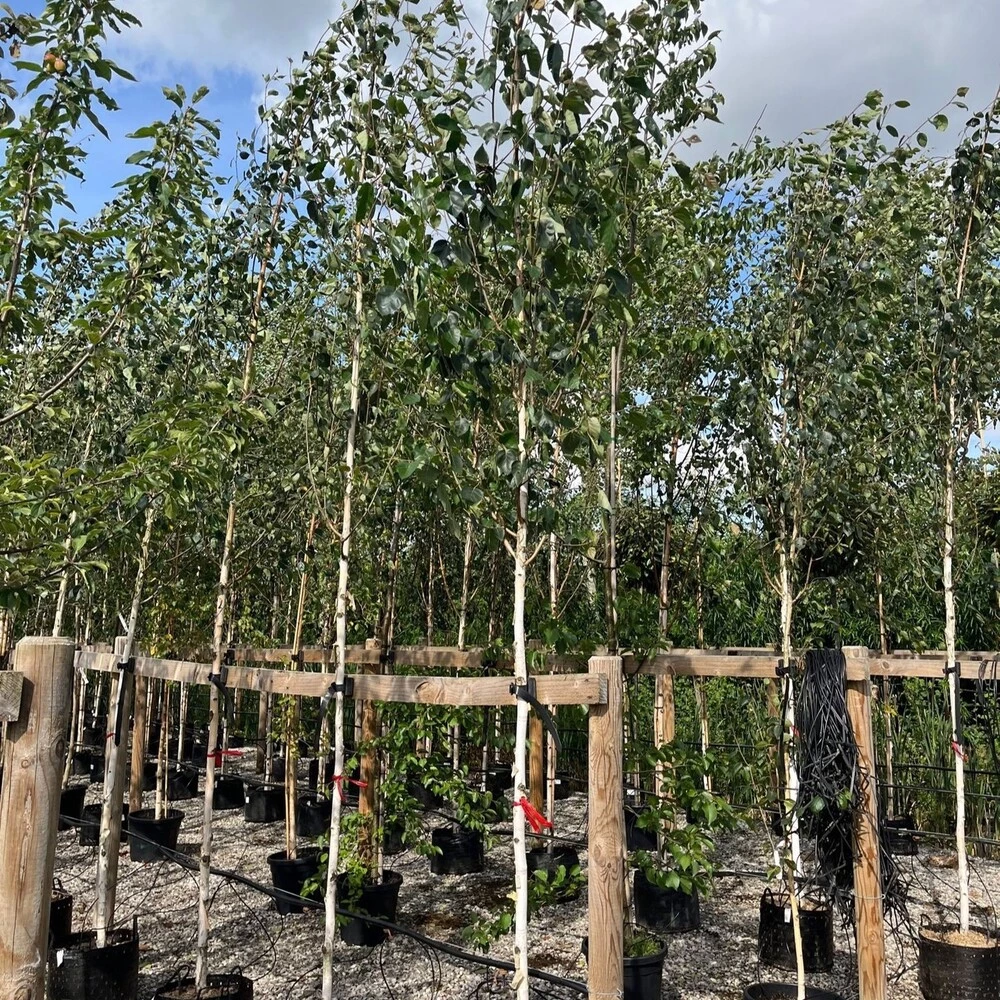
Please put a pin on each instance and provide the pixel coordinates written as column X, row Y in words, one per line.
column 541, row 859
column 776, row 936
column 667, row 911
column 956, row 966
column 228, row 793
column 227, row 986
column 312, row 815
column 782, row 991
column 461, row 851
column 380, row 901
column 82, row 971
column 71, row 806
column 149, row 834
column 642, row 977
column 291, row 876
column 60, row 916
column 263, row 805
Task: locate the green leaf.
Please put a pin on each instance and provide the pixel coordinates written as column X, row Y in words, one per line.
column 388, row 301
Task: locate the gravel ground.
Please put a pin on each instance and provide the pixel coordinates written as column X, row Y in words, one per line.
column 283, row 955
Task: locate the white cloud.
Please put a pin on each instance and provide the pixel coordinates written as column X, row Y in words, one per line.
column 807, row 61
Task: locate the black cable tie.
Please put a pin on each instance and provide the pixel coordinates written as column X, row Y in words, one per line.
column 126, row 665
column 229, row 658
column 781, row 670
column 956, row 670
column 526, row 692
column 346, row 689
column 387, row 656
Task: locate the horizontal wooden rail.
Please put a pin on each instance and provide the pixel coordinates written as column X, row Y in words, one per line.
column 572, row 689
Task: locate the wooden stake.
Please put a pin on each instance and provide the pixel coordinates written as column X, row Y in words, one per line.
column 536, row 762
column 29, row 812
column 867, row 874
column 368, row 792
column 606, row 839
column 664, row 721
column 141, row 710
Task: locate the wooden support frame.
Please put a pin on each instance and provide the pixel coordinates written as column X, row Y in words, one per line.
column 10, row 695
column 868, row 903
column 33, row 756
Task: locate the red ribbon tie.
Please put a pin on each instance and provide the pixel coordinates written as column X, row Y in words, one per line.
column 533, row 816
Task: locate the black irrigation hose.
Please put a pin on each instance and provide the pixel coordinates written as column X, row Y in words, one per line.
column 290, row 897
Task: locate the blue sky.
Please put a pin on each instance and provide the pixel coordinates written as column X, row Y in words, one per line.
column 797, row 64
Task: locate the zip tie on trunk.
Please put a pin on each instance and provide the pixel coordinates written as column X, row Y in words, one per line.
column 338, row 780
column 217, row 755
column 959, row 752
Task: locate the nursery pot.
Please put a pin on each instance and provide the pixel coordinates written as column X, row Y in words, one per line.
column 199, row 753
column 81, row 763
column 94, row 736
column 292, row 875
column 563, row 786
column 313, row 774
column 312, row 815
column 82, row 971
column 96, row 766
column 782, row 991
column 278, row 769
column 776, row 935
column 426, row 799
column 149, row 776
column 226, row 986
column 541, row 859
column 60, row 916
column 379, row 900
column 642, row 978
column 228, row 793
column 953, row 966
column 71, row 806
column 90, row 825
column 461, row 851
column 636, row 838
column 899, row 831
column 182, row 783
column 667, row 911
column 392, row 839
column 498, row 781
column 263, row 805
column 152, row 833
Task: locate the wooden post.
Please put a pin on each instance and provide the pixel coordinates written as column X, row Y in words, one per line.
column 111, row 813
column 536, row 762
column 606, row 839
column 664, row 720
column 138, row 744
column 33, row 760
column 867, row 873
column 368, row 792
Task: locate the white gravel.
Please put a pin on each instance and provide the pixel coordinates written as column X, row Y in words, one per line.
column 283, row 955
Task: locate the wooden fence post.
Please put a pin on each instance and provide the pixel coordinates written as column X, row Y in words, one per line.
column 114, row 797
column 606, row 839
column 33, row 759
column 869, row 916
column 664, row 725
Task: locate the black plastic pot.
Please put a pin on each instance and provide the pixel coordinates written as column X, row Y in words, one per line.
column 90, row 824
column 94, row 736
column 71, row 806
column 199, row 753
column 278, row 769
column 60, row 916
column 498, row 781
column 149, row 776
column 426, row 799
column 564, row 787
column 291, row 875
column 637, row 839
column 392, row 840
column 667, row 911
column 379, row 901
column 313, row 774
column 952, row 971
column 899, row 831
column 776, row 936
column 226, row 986
column 152, row 833
column 312, row 815
column 263, row 805
column 96, row 765
column 642, row 977
column 540, row 859
column 82, row 971
column 182, row 784
column 228, row 793
column 81, row 763
column 461, row 851
column 782, row 991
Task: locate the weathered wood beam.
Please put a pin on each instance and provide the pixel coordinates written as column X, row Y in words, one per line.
column 10, row 695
